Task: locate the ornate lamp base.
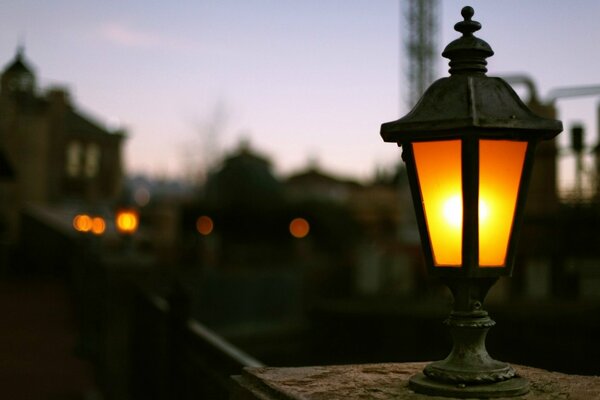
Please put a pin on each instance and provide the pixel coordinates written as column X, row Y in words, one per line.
column 512, row 387
column 469, row 371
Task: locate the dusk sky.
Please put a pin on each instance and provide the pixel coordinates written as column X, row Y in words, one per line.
column 304, row 79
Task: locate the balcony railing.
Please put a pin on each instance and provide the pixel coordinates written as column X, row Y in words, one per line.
column 142, row 345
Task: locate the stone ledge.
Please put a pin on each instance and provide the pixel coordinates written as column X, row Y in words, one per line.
column 386, row 382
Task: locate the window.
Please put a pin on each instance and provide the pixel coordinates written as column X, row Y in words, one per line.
column 92, row 160
column 73, row 159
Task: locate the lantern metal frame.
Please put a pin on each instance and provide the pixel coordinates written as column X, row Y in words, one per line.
column 469, row 106
column 470, row 182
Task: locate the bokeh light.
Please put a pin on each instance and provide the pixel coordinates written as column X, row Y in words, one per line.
column 127, row 221
column 204, row 225
column 82, row 223
column 299, row 228
column 141, row 196
column 98, row 226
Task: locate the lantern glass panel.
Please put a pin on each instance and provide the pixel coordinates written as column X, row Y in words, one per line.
column 500, row 170
column 438, row 167
column 439, row 174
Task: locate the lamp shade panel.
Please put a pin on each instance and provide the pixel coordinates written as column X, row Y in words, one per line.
column 439, row 174
column 500, row 170
column 438, row 166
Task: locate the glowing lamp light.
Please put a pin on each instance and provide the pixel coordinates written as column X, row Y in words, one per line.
column 127, row 221
column 439, row 174
column 299, row 228
column 98, row 226
column 468, row 145
column 82, row 223
column 204, row 225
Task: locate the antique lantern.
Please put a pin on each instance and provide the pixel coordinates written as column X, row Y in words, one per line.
column 468, row 145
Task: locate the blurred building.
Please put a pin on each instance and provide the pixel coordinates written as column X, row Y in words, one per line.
column 314, row 184
column 354, row 242
column 386, row 255
column 58, row 153
column 557, row 255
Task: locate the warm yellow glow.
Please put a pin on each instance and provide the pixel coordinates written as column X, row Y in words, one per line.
column 98, row 226
column 299, row 228
column 127, row 221
column 453, row 211
column 82, row 223
column 439, row 172
column 204, row 225
column 484, row 211
column 500, row 168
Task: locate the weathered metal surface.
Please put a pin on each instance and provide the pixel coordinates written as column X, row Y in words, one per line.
column 507, row 388
column 469, row 103
column 469, row 361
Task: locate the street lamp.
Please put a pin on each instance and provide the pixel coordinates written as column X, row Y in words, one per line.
column 468, row 146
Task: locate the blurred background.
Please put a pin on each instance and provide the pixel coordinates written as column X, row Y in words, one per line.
column 189, row 189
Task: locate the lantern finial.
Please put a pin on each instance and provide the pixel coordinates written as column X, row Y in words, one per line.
column 467, row 54
column 467, row 27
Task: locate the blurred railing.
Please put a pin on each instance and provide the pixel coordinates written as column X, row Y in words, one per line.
column 175, row 357
column 142, row 345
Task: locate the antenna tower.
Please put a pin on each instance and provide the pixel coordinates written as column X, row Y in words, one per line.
column 421, row 44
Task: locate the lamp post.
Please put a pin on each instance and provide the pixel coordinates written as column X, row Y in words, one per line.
column 468, row 145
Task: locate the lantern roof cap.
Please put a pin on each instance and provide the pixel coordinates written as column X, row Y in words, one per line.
column 469, row 102
column 470, row 105
column 468, row 53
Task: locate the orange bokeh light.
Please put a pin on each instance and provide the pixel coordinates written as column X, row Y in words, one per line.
column 82, row 223
column 204, row 225
column 127, row 221
column 98, row 226
column 299, row 228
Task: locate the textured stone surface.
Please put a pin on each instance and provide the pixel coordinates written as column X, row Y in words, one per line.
column 387, row 381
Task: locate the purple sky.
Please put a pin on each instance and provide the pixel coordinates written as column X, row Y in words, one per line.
column 299, row 79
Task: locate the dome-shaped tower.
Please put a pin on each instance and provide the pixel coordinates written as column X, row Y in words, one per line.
column 17, row 76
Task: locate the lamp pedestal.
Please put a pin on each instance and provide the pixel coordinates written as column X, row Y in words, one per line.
column 469, row 371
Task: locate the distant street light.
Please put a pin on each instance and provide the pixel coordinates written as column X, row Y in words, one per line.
column 85, row 223
column 299, row 228
column 98, row 226
column 468, row 146
column 204, row 225
column 82, row 223
column 127, row 221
